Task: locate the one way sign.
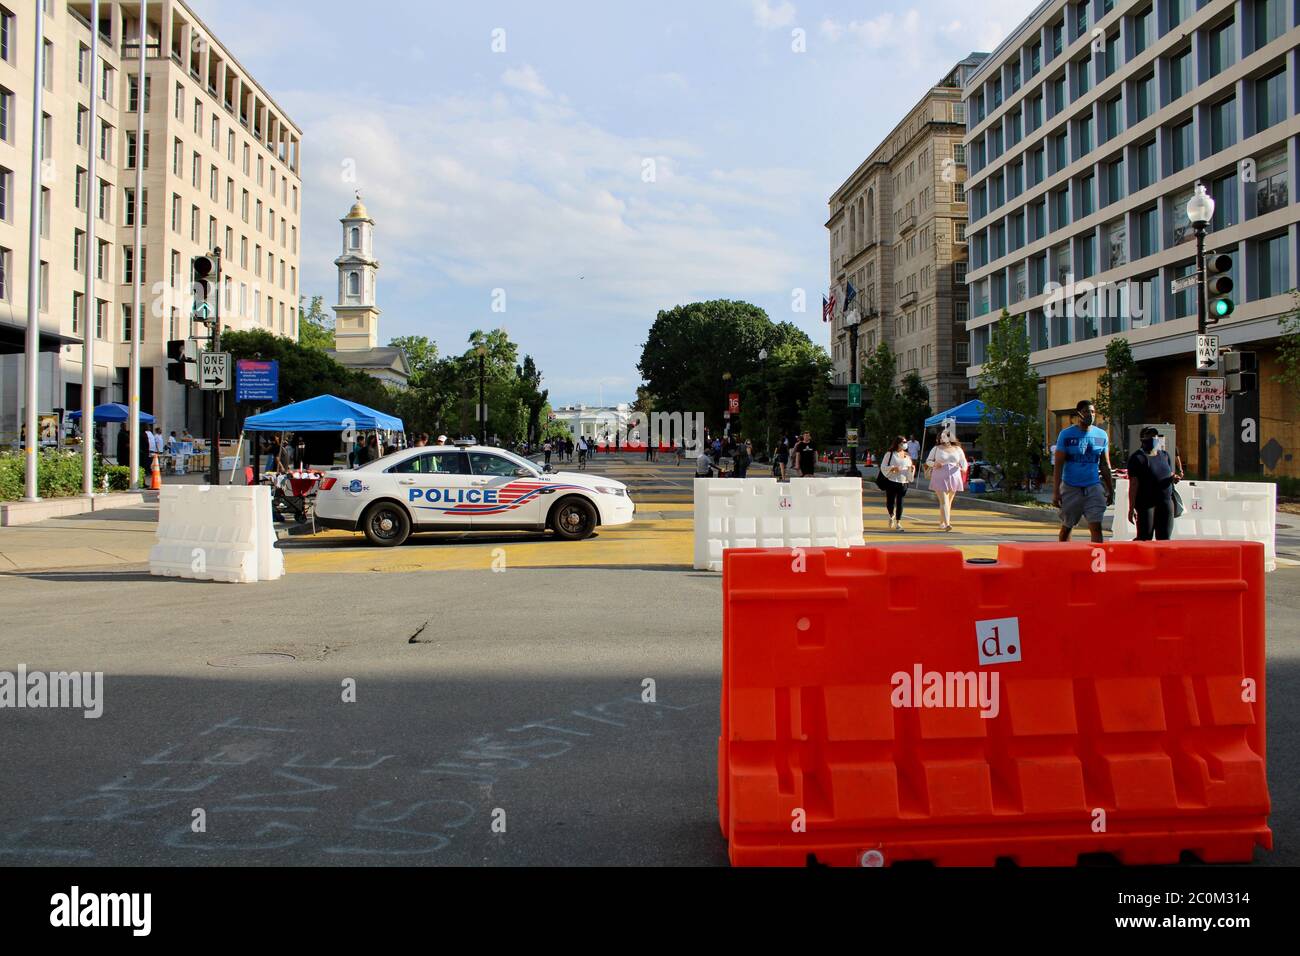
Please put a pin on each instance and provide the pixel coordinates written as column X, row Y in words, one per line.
column 214, row 372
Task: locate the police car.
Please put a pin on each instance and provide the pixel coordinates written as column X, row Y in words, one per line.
column 466, row 488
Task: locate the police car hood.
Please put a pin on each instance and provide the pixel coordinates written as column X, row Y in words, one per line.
column 583, row 479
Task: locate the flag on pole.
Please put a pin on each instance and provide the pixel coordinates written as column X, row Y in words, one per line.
column 850, row 294
column 828, row 307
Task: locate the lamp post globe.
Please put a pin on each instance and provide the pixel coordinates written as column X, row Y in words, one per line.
column 1200, row 208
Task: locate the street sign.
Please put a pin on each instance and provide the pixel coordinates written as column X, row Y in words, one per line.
column 257, row 381
column 1205, row 396
column 214, row 372
column 855, row 395
column 1186, row 282
column 1207, row 352
column 852, row 438
column 733, row 403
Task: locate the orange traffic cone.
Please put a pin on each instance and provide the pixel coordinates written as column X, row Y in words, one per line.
column 155, row 475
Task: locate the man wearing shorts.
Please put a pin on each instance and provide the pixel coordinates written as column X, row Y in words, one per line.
column 1082, row 485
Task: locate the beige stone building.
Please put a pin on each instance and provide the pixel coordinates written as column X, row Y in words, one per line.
column 222, row 168
column 897, row 234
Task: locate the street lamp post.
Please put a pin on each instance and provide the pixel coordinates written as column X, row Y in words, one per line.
column 851, row 320
column 1200, row 210
column 482, row 410
column 767, row 422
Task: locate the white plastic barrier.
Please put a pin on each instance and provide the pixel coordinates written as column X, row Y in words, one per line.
column 216, row 533
column 1215, row 510
column 765, row 513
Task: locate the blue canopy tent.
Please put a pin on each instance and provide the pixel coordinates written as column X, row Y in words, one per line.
column 112, row 412
column 324, row 413
column 967, row 413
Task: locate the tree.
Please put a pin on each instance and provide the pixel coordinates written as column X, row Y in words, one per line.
column 421, row 355
column 815, row 413
column 690, row 348
column 315, row 327
column 1288, row 347
column 1121, row 394
column 885, row 414
column 1008, row 387
column 915, row 400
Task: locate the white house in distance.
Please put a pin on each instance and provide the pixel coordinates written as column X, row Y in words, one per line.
column 356, row 327
column 598, row 421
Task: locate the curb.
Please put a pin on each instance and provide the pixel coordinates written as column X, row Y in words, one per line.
column 14, row 513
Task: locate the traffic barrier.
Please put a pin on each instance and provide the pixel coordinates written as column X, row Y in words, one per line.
column 1214, row 510
column 216, row 533
column 1118, row 704
column 765, row 513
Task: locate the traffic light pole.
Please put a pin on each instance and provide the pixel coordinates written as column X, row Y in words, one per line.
column 1202, row 423
column 216, row 399
column 854, row 413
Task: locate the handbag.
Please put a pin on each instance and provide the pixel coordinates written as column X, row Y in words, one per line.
column 882, row 482
column 1178, row 504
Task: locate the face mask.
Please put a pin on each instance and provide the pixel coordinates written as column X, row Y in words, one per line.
column 1085, row 419
column 1148, row 444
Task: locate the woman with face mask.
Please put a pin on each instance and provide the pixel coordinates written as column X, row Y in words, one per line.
column 1151, row 480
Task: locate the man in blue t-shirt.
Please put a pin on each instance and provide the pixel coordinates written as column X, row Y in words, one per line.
column 1081, row 468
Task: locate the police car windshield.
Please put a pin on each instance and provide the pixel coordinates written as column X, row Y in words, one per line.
column 516, row 460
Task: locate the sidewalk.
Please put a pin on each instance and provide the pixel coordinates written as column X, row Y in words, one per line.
column 119, row 538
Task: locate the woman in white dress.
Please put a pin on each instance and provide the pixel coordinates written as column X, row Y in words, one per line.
column 946, row 466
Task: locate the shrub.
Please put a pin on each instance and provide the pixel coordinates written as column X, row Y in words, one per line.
column 58, row 475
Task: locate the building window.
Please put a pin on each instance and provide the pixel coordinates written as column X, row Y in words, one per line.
column 1224, row 192
column 1222, row 54
column 1180, row 75
column 1270, row 100
column 7, row 191
column 1148, row 232
column 8, row 53
column 1142, row 33
column 126, row 322
column 1271, row 192
column 1223, row 124
column 1146, row 164
column 1270, row 21
column 1272, row 267
column 1184, row 148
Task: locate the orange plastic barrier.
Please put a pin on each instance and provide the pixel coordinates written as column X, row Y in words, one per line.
column 1124, row 711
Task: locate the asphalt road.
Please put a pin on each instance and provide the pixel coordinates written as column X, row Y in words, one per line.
column 482, row 699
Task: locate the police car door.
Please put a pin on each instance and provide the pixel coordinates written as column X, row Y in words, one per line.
column 435, row 486
column 510, row 499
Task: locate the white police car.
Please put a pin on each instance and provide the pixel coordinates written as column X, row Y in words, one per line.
column 469, row 488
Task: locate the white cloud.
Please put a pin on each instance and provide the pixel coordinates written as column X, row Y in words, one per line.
column 470, row 191
column 773, row 16
column 526, row 80
column 918, row 39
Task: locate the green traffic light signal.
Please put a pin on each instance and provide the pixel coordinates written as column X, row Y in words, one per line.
column 1221, row 308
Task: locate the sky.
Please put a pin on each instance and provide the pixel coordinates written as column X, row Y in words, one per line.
column 566, row 169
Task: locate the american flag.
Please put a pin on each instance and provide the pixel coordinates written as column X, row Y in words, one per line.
column 828, row 307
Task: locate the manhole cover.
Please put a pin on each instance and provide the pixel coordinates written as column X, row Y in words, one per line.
column 252, row 660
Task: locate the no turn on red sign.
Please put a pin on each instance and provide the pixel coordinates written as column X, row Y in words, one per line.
column 1206, row 396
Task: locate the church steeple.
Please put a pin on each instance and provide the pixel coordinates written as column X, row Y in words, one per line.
column 357, row 325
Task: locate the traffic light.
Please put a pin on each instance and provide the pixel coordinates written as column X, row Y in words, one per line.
column 201, row 277
column 182, row 361
column 1217, row 286
column 1241, row 371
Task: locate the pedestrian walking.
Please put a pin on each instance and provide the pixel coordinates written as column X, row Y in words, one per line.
column 913, row 452
column 546, row 452
column 704, row 464
column 780, row 459
column 945, row 466
column 1151, row 479
column 1080, row 472
column 741, row 458
column 897, row 468
column 805, row 454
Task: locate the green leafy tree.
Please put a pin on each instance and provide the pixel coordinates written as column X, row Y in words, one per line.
column 315, row 325
column 915, row 401
column 815, row 415
column 1121, row 394
column 690, row 348
column 885, row 413
column 1008, row 387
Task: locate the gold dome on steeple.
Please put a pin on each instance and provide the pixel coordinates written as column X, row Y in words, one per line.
column 358, row 210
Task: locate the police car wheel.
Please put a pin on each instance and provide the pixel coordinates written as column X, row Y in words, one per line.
column 386, row 525
column 573, row 519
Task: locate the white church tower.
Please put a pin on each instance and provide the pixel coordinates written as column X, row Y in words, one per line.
column 357, row 325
